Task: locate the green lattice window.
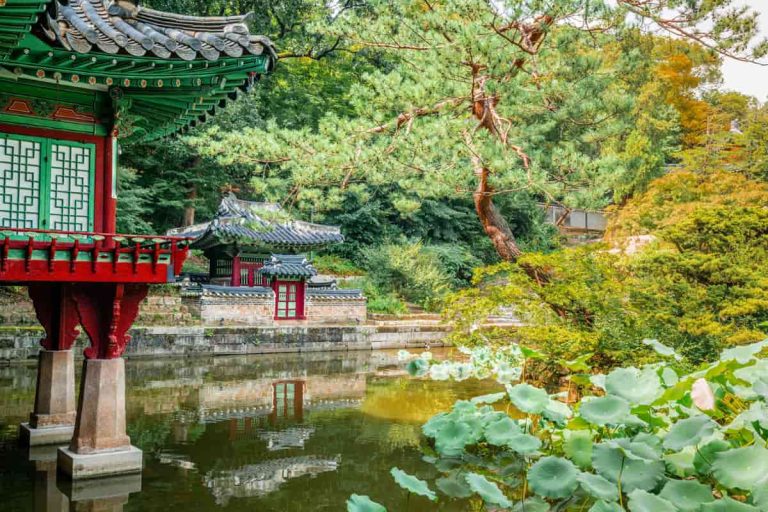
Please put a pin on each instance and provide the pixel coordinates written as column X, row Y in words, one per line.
column 46, row 183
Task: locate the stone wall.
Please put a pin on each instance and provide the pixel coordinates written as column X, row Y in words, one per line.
column 22, row 343
column 252, row 310
column 324, row 310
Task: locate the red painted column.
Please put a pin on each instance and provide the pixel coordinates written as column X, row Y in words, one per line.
column 301, row 294
column 110, row 185
column 235, row 271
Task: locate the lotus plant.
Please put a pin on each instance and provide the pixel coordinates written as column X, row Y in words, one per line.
column 639, row 439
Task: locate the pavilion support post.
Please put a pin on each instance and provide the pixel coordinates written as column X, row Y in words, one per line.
column 100, row 446
column 53, row 419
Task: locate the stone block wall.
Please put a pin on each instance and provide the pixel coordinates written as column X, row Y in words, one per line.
column 250, row 310
column 323, row 310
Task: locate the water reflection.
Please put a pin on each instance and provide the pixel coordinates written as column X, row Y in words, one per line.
column 298, row 432
column 54, row 493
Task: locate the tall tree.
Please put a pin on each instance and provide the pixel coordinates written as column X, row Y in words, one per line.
column 487, row 98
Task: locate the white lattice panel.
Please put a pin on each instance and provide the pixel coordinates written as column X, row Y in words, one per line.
column 71, row 176
column 20, row 183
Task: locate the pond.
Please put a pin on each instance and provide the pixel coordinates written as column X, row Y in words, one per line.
column 283, row 432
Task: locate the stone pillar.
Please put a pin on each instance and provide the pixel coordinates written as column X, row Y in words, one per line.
column 100, row 446
column 53, row 418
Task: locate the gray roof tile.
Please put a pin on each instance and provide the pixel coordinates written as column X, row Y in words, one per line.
column 121, row 25
column 267, row 224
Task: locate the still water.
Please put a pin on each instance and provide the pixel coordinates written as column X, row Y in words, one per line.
column 287, row 432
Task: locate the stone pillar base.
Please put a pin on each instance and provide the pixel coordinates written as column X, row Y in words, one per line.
column 53, row 419
column 54, row 435
column 100, row 446
column 94, row 465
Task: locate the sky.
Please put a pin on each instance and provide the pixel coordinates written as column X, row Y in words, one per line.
column 744, row 77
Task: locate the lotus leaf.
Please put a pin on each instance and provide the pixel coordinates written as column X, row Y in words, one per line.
column 633, row 385
column 487, row 490
column 753, row 373
column 605, row 410
column 461, row 371
column 491, row 417
column 357, row 503
column 417, row 367
column 602, row 506
column 534, row 504
column 454, row 486
column 440, row 371
column 669, row 376
column 688, row 432
column 609, row 459
column 646, row 446
column 528, row 398
column 744, row 353
column 453, row 436
column 687, row 495
column 435, row 423
column 578, row 447
column 728, row 505
column 662, row 349
column 488, row 399
column 706, row 453
column 412, row 484
column 501, row 432
column 598, row 487
column 598, row 380
column 524, row 444
column 757, row 412
column 642, row 501
column 557, row 411
column 681, row 463
column 741, row 468
column 760, row 495
column 553, row 477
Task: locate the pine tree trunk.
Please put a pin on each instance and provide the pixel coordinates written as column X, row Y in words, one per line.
column 189, row 210
column 493, row 222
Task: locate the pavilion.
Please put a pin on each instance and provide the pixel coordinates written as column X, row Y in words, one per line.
column 77, row 78
column 259, row 270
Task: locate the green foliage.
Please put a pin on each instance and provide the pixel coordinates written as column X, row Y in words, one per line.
column 634, row 456
column 335, row 265
column 410, row 271
column 133, row 203
column 379, row 301
column 699, row 282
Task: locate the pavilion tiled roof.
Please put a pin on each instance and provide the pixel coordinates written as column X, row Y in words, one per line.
column 264, row 226
column 156, row 73
column 288, row 265
column 122, row 26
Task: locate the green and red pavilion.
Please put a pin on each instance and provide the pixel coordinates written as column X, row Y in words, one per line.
column 77, row 77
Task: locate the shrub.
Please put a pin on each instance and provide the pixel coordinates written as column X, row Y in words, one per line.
column 410, row 271
column 335, row 265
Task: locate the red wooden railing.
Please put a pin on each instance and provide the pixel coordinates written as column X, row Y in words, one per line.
column 54, row 242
